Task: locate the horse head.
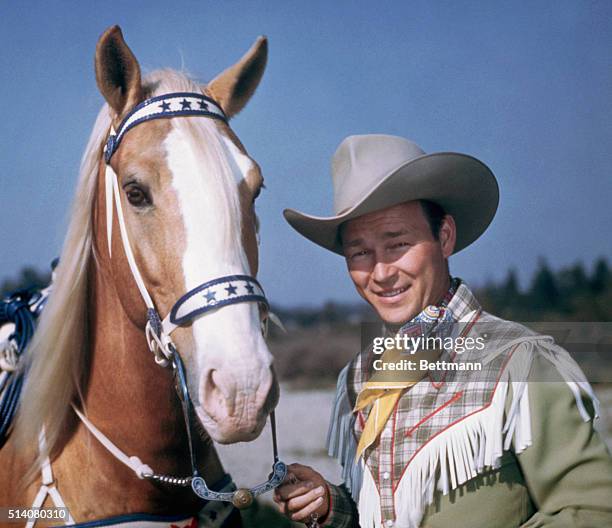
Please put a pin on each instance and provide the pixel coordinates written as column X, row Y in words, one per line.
column 187, row 189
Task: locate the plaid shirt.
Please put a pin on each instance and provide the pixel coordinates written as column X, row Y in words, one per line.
column 434, row 404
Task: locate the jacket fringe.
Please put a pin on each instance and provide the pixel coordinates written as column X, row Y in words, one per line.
column 341, row 441
column 466, row 448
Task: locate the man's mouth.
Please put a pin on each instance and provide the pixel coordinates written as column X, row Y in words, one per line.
column 392, row 293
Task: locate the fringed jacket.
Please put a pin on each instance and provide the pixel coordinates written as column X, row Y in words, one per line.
column 509, row 445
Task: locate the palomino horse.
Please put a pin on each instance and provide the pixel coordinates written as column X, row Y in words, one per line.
column 181, row 193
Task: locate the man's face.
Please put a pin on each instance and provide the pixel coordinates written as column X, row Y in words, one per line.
column 395, row 262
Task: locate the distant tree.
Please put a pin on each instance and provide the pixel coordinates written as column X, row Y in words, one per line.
column 508, row 295
column 510, row 287
column 331, row 312
column 29, row 277
column 574, row 289
column 573, row 279
column 488, row 295
column 544, row 292
column 601, row 280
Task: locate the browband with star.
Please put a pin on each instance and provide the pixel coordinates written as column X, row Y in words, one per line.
column 164, row 106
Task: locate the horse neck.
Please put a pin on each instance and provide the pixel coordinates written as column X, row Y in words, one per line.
column 129, row 396
column 132, row 401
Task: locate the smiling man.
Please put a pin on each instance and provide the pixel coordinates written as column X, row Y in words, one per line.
column 397, row 257
column 507, row 444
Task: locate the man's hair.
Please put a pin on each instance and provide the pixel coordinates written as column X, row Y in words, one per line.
column 434, row 214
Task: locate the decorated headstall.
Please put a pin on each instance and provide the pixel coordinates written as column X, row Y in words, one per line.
column 208, row 296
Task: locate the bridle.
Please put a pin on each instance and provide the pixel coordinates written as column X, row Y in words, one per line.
column 208, row 296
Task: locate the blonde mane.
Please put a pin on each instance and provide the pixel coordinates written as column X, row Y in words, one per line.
column 56, row 357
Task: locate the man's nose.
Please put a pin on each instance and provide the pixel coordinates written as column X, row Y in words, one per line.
column 383, row 271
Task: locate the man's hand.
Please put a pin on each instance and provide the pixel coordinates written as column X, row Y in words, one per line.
column 303, row 493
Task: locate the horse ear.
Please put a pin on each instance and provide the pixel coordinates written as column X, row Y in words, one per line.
column 117, row 72
column 233, row 88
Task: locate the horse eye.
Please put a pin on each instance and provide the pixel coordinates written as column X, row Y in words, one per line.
column 137, row 196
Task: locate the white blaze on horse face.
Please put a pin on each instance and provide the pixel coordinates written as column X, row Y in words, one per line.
column 229, row 371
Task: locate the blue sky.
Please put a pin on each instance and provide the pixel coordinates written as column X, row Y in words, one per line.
column 524, row 86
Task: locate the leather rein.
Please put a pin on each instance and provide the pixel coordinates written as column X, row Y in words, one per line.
column 208, row 296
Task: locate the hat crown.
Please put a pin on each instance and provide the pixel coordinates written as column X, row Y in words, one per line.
column 361, row 162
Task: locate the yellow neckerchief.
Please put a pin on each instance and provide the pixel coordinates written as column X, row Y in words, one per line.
column 384, row 388
column 383, row 394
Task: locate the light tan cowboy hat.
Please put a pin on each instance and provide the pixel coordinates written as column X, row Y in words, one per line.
column 373, row 172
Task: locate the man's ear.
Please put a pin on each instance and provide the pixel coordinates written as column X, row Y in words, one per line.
column 447, row 235
column 117, row 72
column 233, row 88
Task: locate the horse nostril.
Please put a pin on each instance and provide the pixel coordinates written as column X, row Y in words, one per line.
column 219, row 392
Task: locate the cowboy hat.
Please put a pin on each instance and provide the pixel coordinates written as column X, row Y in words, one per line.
column 373, row 172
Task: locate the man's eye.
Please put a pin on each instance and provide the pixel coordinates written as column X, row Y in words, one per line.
column 137, row 196
column 400, row 245
column 358, row 254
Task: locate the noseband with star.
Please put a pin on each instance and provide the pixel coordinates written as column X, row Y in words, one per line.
column 206, row 297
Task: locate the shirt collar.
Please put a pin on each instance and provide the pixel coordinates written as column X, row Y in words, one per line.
column 462, row 302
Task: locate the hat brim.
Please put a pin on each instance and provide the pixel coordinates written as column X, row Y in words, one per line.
column 464, row 186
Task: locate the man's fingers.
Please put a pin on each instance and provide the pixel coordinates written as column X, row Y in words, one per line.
column 289, row 491
column 303, row 492
column 304, row 513
column 282, row 507
column 290, row 478
column 298, row 503
column 301, row 472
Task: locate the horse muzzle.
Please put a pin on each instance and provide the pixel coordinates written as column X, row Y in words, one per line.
column 232, row 409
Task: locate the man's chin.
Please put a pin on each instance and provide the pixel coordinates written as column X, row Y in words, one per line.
column 395, row 310
column 397, row 316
